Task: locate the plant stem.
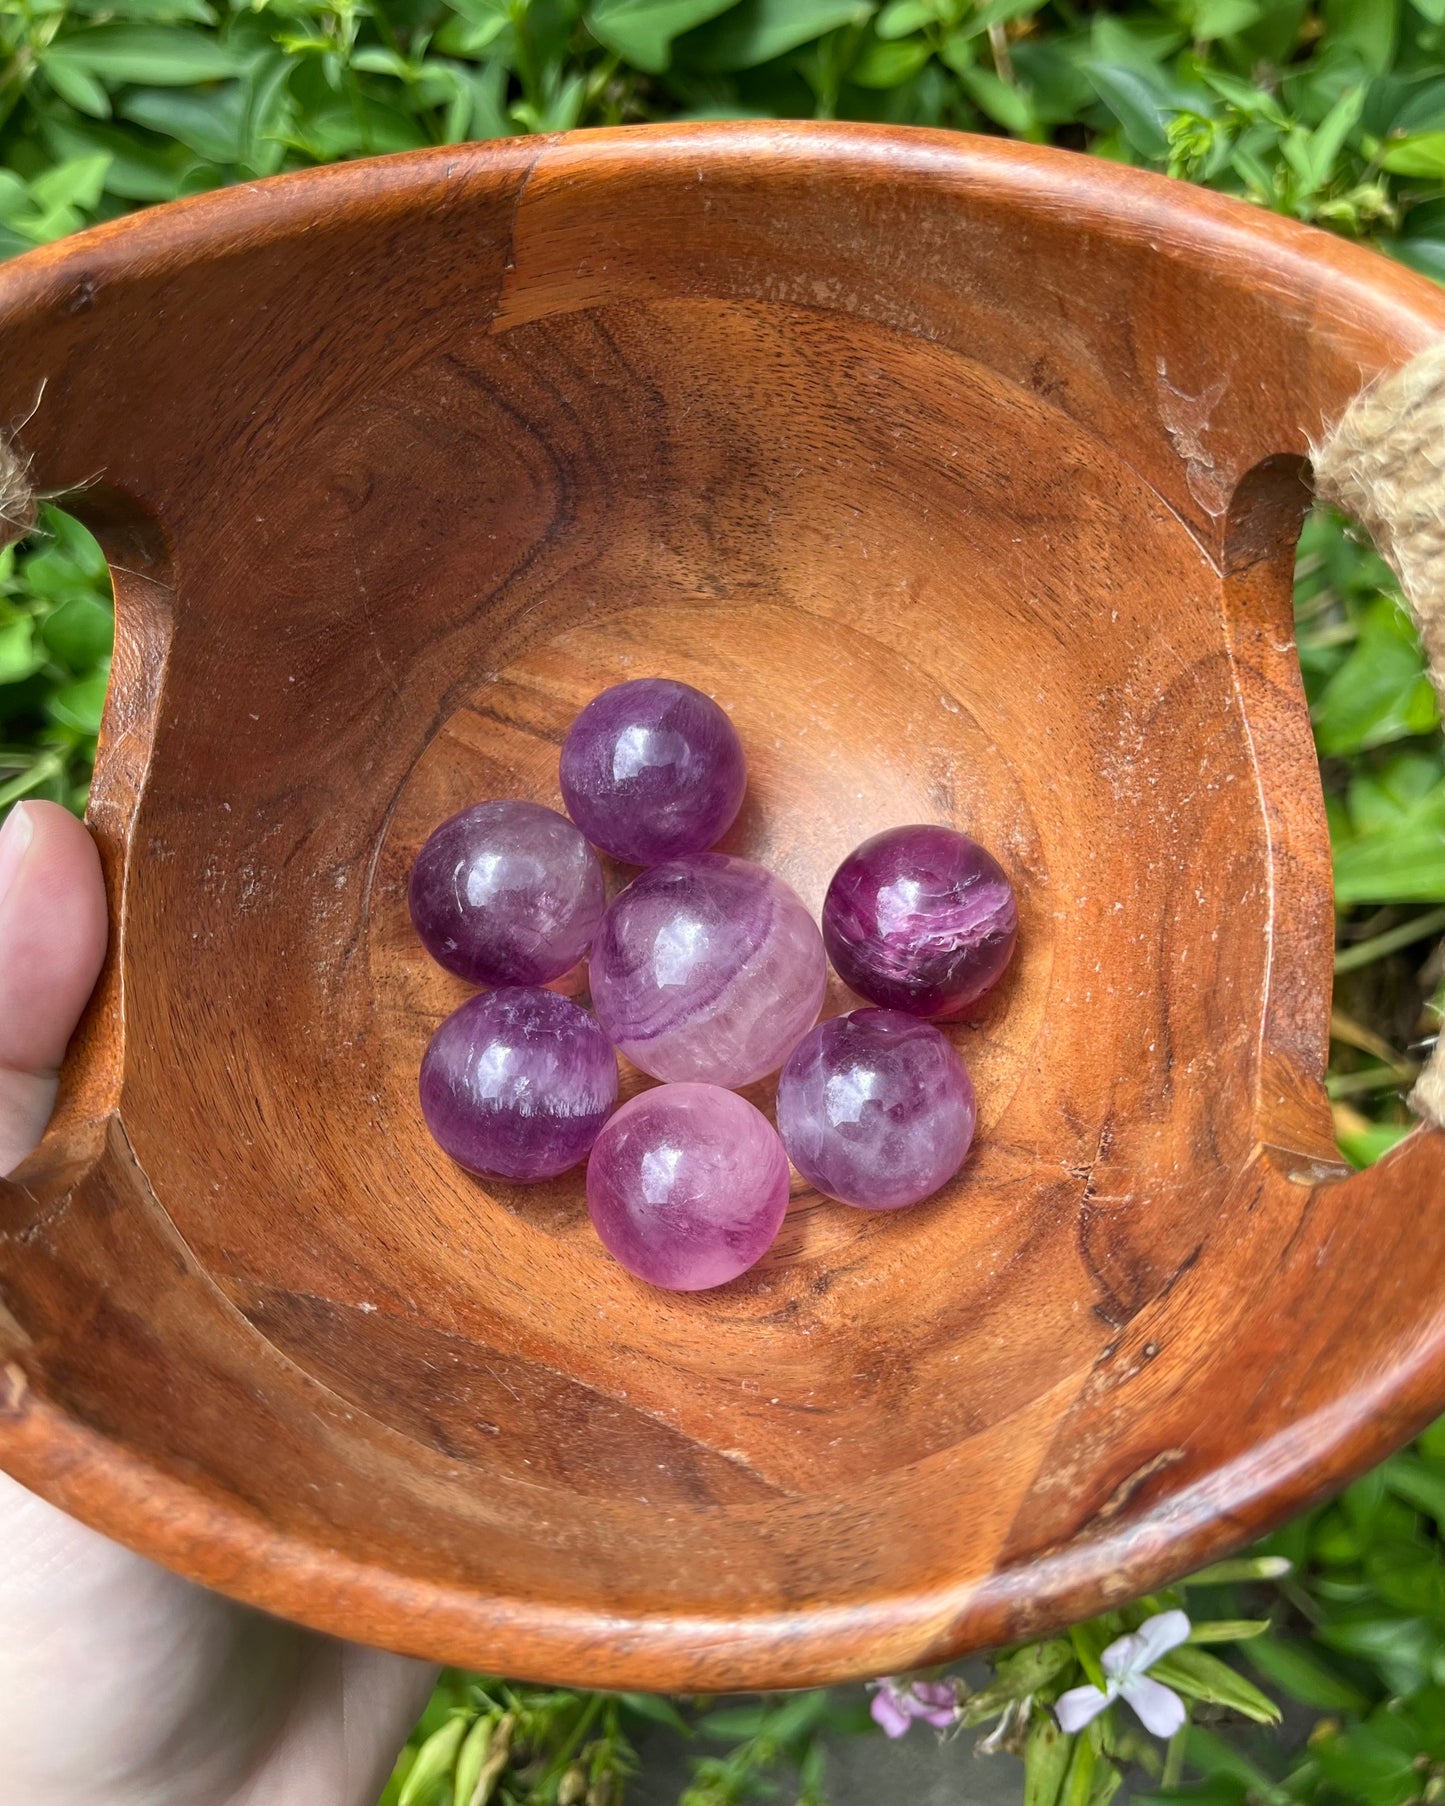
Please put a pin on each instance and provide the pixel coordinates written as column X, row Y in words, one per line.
column 1174, row 1759
column 1365, row 953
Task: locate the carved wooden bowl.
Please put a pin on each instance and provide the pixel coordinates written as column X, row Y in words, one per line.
column 966, row 476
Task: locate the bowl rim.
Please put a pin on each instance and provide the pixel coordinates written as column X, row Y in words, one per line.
column 223, row 1543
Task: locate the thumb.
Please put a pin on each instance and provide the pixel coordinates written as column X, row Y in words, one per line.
column 52, row 942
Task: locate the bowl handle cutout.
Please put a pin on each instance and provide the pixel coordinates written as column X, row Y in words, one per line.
column 138, row 559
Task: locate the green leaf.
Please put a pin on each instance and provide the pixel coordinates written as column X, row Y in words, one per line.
column 1366, row 1766
column 209, row 123
column 1046, row 1760
column 888, row 64
column 1328, row 138
column 733, row 1723
column 1364, row 27
column 1420, row 155
column 1006, row 105
column 1198, row 1675
column 1134, row 101
column 1215, row 19
column 79, row 633
column 470, row 1759
column 78, row 182
column 19, row 656
column 1026, row 1670
column 75, row 84
column 759, row 30
column 434, row 1764
column 900, row 18
column 642, row 31
column 160, row 12
column 80, row 704
column 1403, row 1649
column 656, row 1708
column 159, row 55
column 137, row 172
column 1419, row 1484
column 1228, row 1630
column 1300, row 1673
column 1381, row 692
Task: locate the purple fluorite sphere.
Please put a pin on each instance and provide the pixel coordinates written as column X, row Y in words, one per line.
column 876, row 1109
column 707, row 969
column 920, row 919
column 506, row 893
column 516, row 1083
column 687, row 1186
column 652, row 770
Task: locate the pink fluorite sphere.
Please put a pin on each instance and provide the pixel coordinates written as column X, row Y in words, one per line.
column 516, row 1083
column 707, row 969
column 506, row 893
column 687, row 1186
column 920, row 919
column 653, row 769
column 876, row 1109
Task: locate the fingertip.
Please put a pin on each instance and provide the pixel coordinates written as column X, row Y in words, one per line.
column 53, row 934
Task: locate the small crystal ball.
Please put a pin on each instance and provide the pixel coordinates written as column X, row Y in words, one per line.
column 653, row 769
column 707, row 969
column 516, row 1084
column 506, row 893
column 687, row 1186
column 876, row 1109
column 920, row 919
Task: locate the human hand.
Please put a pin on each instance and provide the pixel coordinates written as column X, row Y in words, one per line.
column 120, row 1683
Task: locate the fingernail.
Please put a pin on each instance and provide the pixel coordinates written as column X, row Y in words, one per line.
column 15, row 837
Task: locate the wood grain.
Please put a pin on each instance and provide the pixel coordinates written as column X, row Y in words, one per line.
column 967, row 476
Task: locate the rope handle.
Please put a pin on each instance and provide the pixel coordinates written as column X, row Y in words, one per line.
column 1383, row 464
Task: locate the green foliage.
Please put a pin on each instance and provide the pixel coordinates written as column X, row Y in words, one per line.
column 1327, row 110
column 55, row 638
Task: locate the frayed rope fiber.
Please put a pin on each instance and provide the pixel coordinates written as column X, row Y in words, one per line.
column 1384, row 465
column 17, row 498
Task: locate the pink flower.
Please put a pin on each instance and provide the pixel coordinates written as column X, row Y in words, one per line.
column 1124, row 1662
column 898, row 1702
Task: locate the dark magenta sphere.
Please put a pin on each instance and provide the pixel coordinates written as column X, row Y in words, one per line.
column 920, row 919
column 516, row 1084
column 653, row 769
column 506, row 893
column 876, row 1109
column 687, row 1186
column 707, row 969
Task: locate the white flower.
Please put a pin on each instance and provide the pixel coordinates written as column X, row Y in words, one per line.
column 1125, row 1663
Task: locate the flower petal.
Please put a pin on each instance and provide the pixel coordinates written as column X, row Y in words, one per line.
column 942, row 1718
column 1160, row 1634
column 1124, row 1656
column 940, row 1694
column 1079, row 1706
column 1159, row 1707
column 888, row 1713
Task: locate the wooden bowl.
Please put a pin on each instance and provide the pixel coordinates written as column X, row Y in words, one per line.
column 966, row 475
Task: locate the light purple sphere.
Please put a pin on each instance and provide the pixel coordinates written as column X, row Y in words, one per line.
column 653, row 769
column 876, row 1109
column 920, row 919
column 688, row 1186
column 506, row 893
column 516, row 1084
column 707, row 969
